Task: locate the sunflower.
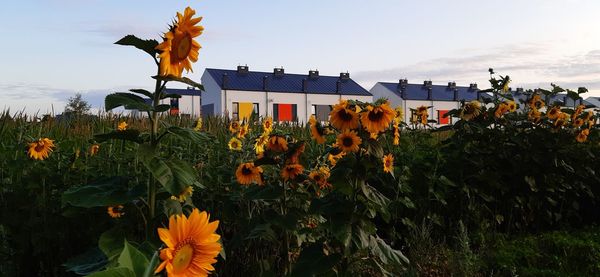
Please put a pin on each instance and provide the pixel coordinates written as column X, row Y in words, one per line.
column 259, row 145
column 561, row 119
column 536, row 102
column 115, row 211
column 577, row 111
column 277, row 144
column 235, row 144
column 179, row 49
column 399, row 114
column 512, row 106
column 243, row 130
column 421, row 115
column 505, row 86
column 267, row 125
column 343, row 117
column 191, row 245
column 122, row 126
column 578, row 122
column 376, row 119
column 94, row 149
column 198, row 126
column 291, row 171
column 534, row 115
column 41, row 149
column 320, row 176
column 316, row 130
column 553, row 113
column 470, row 110
column 388, row 163
column 396, row 133
column 348, row 141
column 501, row 110
column 582, row 136
column 333, row 159
column 293, row 158
column 247, row 173
column 588, row 115
column 234, row 126
column 187, row 192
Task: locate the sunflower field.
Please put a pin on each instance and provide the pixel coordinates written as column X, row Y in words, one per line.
column 509, row 189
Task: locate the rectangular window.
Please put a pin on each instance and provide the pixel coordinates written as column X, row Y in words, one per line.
column 174, row 110
column 442, row 119
column 235, row 110
column 285, row 112
column 413, row 116
column 321, row 112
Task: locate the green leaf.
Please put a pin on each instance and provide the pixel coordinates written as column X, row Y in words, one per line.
column 129, row 101
column 111, row 243
column 169, row 95
column 87, row 263
column 162, row 108
column 184, row 80
column 143, row 92
column 129, row 134
column 188, row 134
column 173, row 175
column 101, row 193
column 152, row 265
column 133, row 259
column 114, row 272
column 148, row 46
column 387, row 254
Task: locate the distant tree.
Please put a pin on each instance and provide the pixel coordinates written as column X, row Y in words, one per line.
column 77, row 105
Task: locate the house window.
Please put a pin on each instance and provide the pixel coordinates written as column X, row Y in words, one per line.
column 174, row 110
column 285, row 112
column 243, row 110
column 321, row 112
column 444, row 120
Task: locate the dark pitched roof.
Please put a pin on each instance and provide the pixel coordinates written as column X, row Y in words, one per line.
column 183, row 91
column 438, row 92
column 292, row 83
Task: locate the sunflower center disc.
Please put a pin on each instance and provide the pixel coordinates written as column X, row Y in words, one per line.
column 39, row 147
column 344, row 115
column 246, row 171
column 183, row 258
column 375, row 115
column 184, row 47
column 347, row 141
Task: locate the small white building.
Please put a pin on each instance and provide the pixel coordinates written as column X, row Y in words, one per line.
column 187, row 105
column 440, row 98
column 286, row 97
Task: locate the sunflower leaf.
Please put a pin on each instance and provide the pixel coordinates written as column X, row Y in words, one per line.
column 129, row 101
column 387, row 254
column 129, row 134
column 133, row 259
column 184, row 80
column 148, row 45
column 101, row 193
column 143, row 92
column 114, row 272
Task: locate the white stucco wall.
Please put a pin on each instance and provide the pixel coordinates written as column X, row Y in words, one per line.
column 211, row 93
column 379, row 91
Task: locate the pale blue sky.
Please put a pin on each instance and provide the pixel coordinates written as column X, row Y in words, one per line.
column 54, row 48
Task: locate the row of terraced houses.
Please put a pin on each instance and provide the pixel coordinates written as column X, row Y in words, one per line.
column 240, row 93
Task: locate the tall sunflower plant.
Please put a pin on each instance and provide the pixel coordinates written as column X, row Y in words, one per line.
column 189, row 243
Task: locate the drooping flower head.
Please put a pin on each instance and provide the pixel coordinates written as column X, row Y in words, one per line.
column 198, row 126
column 421, row 115
column 470, row 110
column 320, row 176
column 316, row 130
column 536, row 102
column 534, row 115
column 501, row 110
column 333, row 159
column 234, row 126
column 561, row 119
column 376, row 119
column 553, row 113
column 191, row 245
column 41, row 149
column 388, row 163
column 348, row 141
column 277, row 144
column 179, row 49
column 267, row 125
column 247, row 173
column 115, row 211
column 343, row 117
column 243, row 130
column 512, row 105
column 183, row 195
column 291, row 171
column 94, row 149
column 582, row 136
column 260, row 143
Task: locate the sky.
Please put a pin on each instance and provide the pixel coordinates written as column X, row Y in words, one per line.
column 52, row 49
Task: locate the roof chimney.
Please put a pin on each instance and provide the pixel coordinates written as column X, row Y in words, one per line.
column 403, row 83
column 225, row 82
column 265, row 83
column 345, row 76
column 451, row 85
column 313, row 74
column 427, row 84
column 473, row 86
column 520, row 90
column 304, row 85
column 278, row 72
column 242, row 69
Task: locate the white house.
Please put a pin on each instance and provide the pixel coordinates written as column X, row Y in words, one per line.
column 285, row 97
column 187, row 105
column 441, row 98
